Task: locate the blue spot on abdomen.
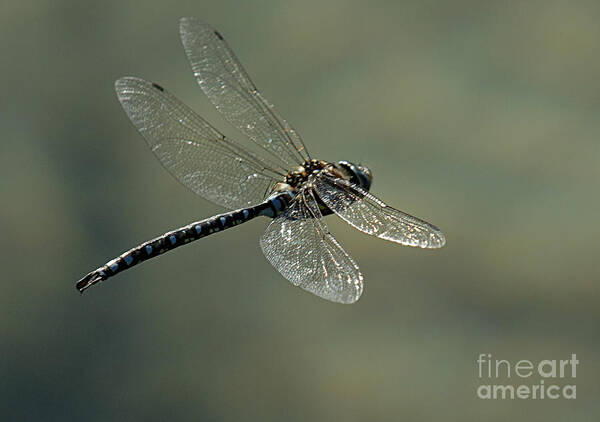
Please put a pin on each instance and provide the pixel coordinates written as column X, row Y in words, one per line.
column 276, row 203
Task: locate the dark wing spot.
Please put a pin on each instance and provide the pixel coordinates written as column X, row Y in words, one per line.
column 219, row 35
column 157, row 86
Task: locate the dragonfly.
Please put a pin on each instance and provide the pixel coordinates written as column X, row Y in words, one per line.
column 276, row 178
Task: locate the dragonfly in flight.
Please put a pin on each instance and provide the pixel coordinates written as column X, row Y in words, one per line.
column 277, row 179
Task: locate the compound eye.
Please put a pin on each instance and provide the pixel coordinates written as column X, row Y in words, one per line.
column 367, row 172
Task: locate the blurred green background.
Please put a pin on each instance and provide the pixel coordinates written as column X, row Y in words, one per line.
column 481, row 117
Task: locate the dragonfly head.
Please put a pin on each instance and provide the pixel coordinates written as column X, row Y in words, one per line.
column 358, row 174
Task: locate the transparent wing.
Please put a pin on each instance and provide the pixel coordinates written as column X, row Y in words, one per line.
column 193, row 151
column 226, row 83
column 370, row 215
column 298, row 244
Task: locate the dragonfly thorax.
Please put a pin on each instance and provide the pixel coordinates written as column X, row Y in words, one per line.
column 300, row 175
column 356, row 174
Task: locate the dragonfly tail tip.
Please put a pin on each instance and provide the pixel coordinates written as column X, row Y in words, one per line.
column 88, row 281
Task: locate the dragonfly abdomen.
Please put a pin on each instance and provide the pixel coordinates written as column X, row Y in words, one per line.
column 182, row 236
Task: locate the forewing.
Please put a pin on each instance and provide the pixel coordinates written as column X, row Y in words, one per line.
column 301, row 248
column 193, row 151
column 226, row 83
column 370, row 215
